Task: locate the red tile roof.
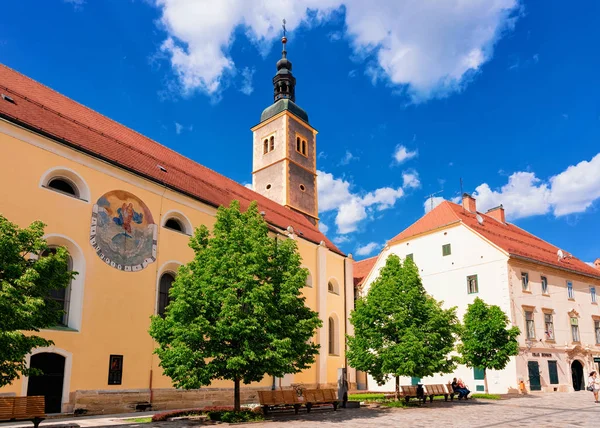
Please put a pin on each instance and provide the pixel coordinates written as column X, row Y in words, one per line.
column 362, row 269
column 45, row 111
column 512, row 239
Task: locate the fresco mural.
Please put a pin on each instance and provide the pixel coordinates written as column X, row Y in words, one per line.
column 123, row 231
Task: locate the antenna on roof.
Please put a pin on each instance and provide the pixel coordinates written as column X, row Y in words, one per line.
column 430, row 197
column 479, row 219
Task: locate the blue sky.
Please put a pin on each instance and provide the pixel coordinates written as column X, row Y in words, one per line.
column 408, row 97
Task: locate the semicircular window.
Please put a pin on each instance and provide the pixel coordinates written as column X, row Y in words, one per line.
column 174, row 224
column 64, row 186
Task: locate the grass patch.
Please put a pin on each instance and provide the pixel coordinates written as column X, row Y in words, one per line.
column 365, row 397
column 486, row 396
column 140, row 420
column 400, row 403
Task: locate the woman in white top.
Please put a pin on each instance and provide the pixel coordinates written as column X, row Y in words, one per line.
column 594, row 385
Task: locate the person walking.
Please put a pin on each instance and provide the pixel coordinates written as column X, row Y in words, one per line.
column 594, row 385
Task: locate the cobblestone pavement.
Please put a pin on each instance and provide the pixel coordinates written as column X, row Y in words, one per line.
column 545, row 410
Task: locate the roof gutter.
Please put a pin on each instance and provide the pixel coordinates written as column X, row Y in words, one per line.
column 528, row 259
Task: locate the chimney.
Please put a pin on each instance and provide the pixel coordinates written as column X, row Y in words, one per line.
column 597, row 264
column 497, row 213
column 468, row 203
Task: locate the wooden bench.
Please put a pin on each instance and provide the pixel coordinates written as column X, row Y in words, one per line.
column 436, row 390
column 23, row 408
column 320, row 396
column 271, row 399
column 411, row 391
column 290, row 398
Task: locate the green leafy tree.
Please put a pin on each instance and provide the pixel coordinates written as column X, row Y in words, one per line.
column 26, row 282
column 399, row 329
column 236, row 310
column 487, row 342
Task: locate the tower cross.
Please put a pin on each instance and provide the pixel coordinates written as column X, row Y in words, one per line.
column 284, row 30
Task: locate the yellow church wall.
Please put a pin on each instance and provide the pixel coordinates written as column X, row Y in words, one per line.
column 116, row 305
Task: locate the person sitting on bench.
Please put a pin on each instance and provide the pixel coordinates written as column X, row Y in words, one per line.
column 459, row 387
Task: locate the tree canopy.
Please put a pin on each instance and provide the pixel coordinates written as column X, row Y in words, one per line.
column 486, row 340
column 236, row 310
column 399, row 329
column 26, row 281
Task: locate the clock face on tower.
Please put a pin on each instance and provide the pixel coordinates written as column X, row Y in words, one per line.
column 123, row 232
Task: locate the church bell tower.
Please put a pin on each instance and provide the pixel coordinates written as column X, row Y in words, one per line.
column 284, row 147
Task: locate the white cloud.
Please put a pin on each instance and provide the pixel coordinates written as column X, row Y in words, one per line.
column 249, row 186
column 352, row 208
column 341, row 239
column 432, row 202
column 429, row 47
column 323, row 227
column 179, row 128
column 572, row 191
column 247, row 74
column 75, row 2
column 410, row 180
column 348, row 157
column 575, row 189
column 402, row 154
column 367, row 249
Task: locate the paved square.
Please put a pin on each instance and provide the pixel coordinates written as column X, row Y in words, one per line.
column 545, row 410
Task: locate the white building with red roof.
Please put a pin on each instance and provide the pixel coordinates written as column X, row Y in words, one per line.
column 546, row 292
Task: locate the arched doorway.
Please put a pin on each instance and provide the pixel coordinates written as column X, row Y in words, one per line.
column 50, row 382
column 577, row 375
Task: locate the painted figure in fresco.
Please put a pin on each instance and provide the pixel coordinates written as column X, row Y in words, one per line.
column 126, row 215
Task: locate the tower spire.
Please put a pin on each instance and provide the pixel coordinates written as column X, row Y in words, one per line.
column 284, row 83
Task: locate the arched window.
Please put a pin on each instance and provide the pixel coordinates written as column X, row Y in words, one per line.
column 332, row 286
column 308, row 282
column 61, row 296
column 64, row 186
column 177, row 221
column 333, row 336
column 67, row 182
column 297, row 144
column 304, row 147
column 174, row 224
column 272, row 143
column 166, row 281
column 265, row 147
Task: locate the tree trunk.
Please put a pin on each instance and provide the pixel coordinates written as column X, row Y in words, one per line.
column 236, row 395
column 485, row 381
column 397, row 388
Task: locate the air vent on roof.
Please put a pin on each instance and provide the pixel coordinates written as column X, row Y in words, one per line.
column 479, row 219
column 162, row 168
column 262, row 213
column 7, row 98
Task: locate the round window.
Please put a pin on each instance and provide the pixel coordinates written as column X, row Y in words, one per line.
column 268, row 186
column 302, row 187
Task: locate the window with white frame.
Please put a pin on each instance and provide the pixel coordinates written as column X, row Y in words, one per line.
column 61, row 295
column 525, row 281
column 597, row 331
column 548, row 326
column 472, row 284
column 529, row 324
column 593, row 293
column 575, row 329
column 544, row 285
column 570, row 292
